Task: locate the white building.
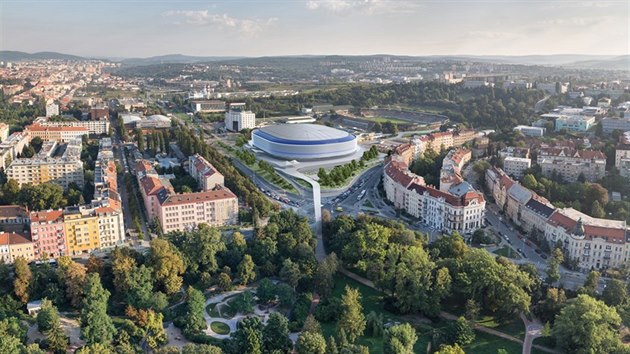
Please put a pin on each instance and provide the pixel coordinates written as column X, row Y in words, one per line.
column 239, row 120
column 52, row 110
column 516, row 166
column 96, row 127
column 4, row 132
column 530, row 131
column 594, row 243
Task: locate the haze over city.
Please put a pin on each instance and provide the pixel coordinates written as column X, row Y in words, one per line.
column 344, row 27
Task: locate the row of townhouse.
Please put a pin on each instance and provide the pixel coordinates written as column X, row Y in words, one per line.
column 594, row 243
column 73, row 230
column 570, row 163
column 215, row 205
column 444, row 140
column 452, row 207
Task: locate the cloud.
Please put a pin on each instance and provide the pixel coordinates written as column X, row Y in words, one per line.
column 574, row 21
column 494, row 34
column 245, row 26
column 364, row 6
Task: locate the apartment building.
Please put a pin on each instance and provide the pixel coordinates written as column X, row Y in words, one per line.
column 13, row 218
column 95, row 127
column 60, row 134
column 11, row 147
column 451, row 171
column 49, row 166
column 207, row 106
column 111, row 226
column 594, row 243
column 516, row 166
column 14, row 245
column 179, row 212
column 48, row 233
column 206, row 175
column 458, row 208
column 81, row 230
column 237, row 120
column 535, row 213
column 570, row 163
column 514, row 151
column 610, row 124
column 4, row 132
column 622, row 155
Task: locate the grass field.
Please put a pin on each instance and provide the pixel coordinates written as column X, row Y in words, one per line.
column 211, row 309
column 219, row 328
column 372, row 300
column 386, row 119
column 508, row 252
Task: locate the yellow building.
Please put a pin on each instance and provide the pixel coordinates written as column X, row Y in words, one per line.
column 81, row 227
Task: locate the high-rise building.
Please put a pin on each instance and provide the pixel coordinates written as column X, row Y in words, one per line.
column 237, row 120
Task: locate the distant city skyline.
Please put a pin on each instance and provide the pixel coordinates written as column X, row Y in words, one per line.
column 143, row 28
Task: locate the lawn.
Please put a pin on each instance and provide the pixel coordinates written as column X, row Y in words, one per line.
column 303, row 183
column 368, row 204
column 515, row 328
column 219, row 327
column 386, row 119
column 212, row 310
column 508, row 252
column 372, row 300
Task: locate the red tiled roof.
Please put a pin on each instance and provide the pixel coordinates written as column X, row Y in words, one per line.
column 16, row 239
column 46, row 216
column 590, row 231
column 151, row 185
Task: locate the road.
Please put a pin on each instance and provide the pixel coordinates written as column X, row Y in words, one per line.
column 540, row 104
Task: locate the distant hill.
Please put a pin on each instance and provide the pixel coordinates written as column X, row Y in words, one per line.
column 10, row 55
column 551, row 59
column 172, row 59
column 617, row 63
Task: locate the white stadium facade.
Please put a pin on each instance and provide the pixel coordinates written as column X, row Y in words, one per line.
column 304, row 141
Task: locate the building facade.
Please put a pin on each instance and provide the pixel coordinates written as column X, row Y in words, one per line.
column 44, row 167
column 61, row 134
column 570, row 163
column 239, row 120
column 594, row 243
column 206, row 175
column 516, row 166
column 180, row 212
column 48, row 233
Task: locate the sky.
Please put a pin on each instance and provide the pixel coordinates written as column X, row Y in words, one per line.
column 142, row 28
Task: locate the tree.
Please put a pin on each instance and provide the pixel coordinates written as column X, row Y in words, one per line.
column 201, row 349
column 95, row 348
column 460, row 332
column 311, row 325
column 194, row 321
column 587, row 325
column 246, row 270
column 224, row 282
column 167, row 265
column 472, row 310
column 290, row 273
column 590, row 284
column 248, row 336
column 73, row 276
column 352, row 320
column 10, row 192
column 156, row 335
column 450, row 349
column 324, row 275
column 399, row 339
column 597, row 211
column 47, row 316
column 374, row 324
column 22, row 280
column 615, row 293
column 311, row 343
column 276, row 334
column 553, row 266
column 57, row 339
column 96, row 325
column 331, row 346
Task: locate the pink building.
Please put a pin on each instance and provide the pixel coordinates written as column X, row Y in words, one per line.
column 47, row 232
